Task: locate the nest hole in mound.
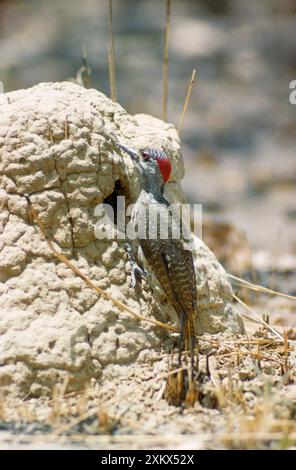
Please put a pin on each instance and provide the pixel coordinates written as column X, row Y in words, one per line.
column 120, row 189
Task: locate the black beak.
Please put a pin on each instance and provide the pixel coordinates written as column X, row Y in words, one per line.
column 131, row 152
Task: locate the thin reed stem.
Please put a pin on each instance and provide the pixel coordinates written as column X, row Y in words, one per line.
column 186, row 103
column 111, row 56
column 165, row 67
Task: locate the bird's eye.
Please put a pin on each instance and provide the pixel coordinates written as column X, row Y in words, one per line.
column 145, row 155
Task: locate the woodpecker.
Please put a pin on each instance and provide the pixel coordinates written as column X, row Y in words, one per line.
column 167, row 256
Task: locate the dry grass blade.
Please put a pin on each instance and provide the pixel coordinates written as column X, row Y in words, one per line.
column 275, row 332
column 120, row 305
column 68, row 426
column 258, row 288
column 111, row 56
column 286, row 351
column 186, row 103
column 165, row 68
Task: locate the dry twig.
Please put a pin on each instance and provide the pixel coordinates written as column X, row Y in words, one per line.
column 258, row 288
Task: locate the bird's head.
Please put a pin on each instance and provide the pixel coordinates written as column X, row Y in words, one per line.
column 151, row 162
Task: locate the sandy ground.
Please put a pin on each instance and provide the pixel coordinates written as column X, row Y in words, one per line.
column 246, row 400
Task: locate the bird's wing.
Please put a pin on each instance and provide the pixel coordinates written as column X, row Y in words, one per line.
column 174, row 269
column 156, row 257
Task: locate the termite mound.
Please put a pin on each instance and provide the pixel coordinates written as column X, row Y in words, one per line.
column 58, row 145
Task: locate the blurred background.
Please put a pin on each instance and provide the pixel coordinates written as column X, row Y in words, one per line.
column 239, row 132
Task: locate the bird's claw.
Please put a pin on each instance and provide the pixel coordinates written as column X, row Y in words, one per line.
column 137, row 272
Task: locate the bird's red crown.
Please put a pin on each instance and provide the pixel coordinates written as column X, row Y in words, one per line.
column 162, row 160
